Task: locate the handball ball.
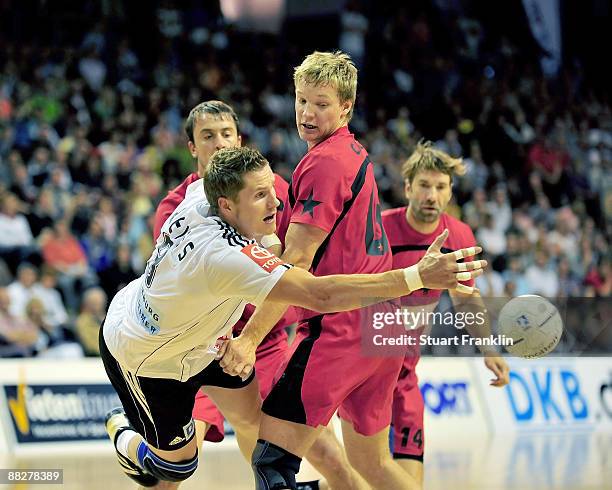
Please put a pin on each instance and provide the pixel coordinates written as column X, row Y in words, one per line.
column 533, row 323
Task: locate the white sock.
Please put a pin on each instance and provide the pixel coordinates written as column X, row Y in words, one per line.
column 123, row 441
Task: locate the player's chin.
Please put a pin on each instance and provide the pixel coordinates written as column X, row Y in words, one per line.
column 268, row 227
column 429, row 215
column 309, row 136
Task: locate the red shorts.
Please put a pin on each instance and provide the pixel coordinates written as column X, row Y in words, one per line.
column 327, row 371
column 270, row 357
column 407, row 421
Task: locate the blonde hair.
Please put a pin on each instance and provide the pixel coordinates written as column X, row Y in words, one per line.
column 336, row 69
column 425, row 158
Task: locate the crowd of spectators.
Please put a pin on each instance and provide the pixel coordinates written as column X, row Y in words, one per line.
column 91, row 139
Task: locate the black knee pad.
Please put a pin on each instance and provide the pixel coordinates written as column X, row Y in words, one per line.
column 274, row 467
column 166, row 470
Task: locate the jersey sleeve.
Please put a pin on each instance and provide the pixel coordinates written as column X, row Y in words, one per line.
column 167, row 205
column 320, row 193
column 249, row 272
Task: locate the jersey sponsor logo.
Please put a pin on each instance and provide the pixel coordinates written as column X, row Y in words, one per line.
column 262, row 257
column 176, row 440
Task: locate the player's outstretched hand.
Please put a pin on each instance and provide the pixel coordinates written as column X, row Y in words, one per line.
column 442, row 271
column 239, row 357
column 498, row 366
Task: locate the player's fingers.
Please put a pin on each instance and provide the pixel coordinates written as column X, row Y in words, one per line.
column 470, row 266
column 505, row 377
column 233, row 369
column 463, row 276
column 226, row 359
column 462, row 288
column 467, row 276
column 246, row 372
column 438, row 242
column 476, row 273
column 466, row 252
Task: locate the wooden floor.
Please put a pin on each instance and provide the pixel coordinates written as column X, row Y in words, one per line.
column 572, row 461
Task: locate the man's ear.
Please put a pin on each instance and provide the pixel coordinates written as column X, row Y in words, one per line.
column 407, row 187
column 225, row 204
column 346, row 108
column 192, row 149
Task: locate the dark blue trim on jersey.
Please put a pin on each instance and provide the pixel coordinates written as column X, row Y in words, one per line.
column 412, row 248
column 290, row 194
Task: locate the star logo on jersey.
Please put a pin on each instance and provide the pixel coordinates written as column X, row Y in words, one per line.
column 309, row 204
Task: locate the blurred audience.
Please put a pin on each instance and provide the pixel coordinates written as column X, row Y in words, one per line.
column 93, row 311
column 91, row 139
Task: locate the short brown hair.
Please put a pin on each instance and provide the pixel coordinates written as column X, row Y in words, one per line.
column 336, row 69
column 214, row 108
column 223, row 175
column 424, row 158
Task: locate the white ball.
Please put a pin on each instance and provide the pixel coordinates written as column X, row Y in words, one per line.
column 533, row 323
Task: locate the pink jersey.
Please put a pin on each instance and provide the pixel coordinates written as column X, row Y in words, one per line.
column 333, row 188
column 409, row 246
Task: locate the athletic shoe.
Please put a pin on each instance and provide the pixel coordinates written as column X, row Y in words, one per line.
column 116, row 422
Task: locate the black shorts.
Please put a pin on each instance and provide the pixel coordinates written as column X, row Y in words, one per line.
column 160, row 409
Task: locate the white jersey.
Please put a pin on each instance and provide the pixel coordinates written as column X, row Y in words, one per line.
column 196, row 284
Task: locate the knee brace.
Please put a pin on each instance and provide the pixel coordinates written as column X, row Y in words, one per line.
column 163, row 469
column 274, row 467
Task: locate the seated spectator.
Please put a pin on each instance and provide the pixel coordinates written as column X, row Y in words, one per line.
column 551, row 163
column 46, row 291
column 43, row 213
column 63, row 253
column 120, row 273
column 600, row 278
column 50, row 342
column 491, row 238
column 93, row 311
column 22, row 185
column 490, row 284
column 541, row 278
column 499, row 208
column 16, row 241
column 17, row 336
column 569, row 283
column 515, row 274
column 23, row 289
column 98, row 249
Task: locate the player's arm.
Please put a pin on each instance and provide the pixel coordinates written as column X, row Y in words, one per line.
column 301, row 244
column 473, row 303
column 347, row 292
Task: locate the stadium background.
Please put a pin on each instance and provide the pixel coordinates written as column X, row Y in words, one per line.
column 92, row 100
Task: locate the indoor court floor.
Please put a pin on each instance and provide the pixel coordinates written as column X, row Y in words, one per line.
column 568, row 460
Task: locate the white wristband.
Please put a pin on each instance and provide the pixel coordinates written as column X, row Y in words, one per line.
column 268, row 241
column 413, row 278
